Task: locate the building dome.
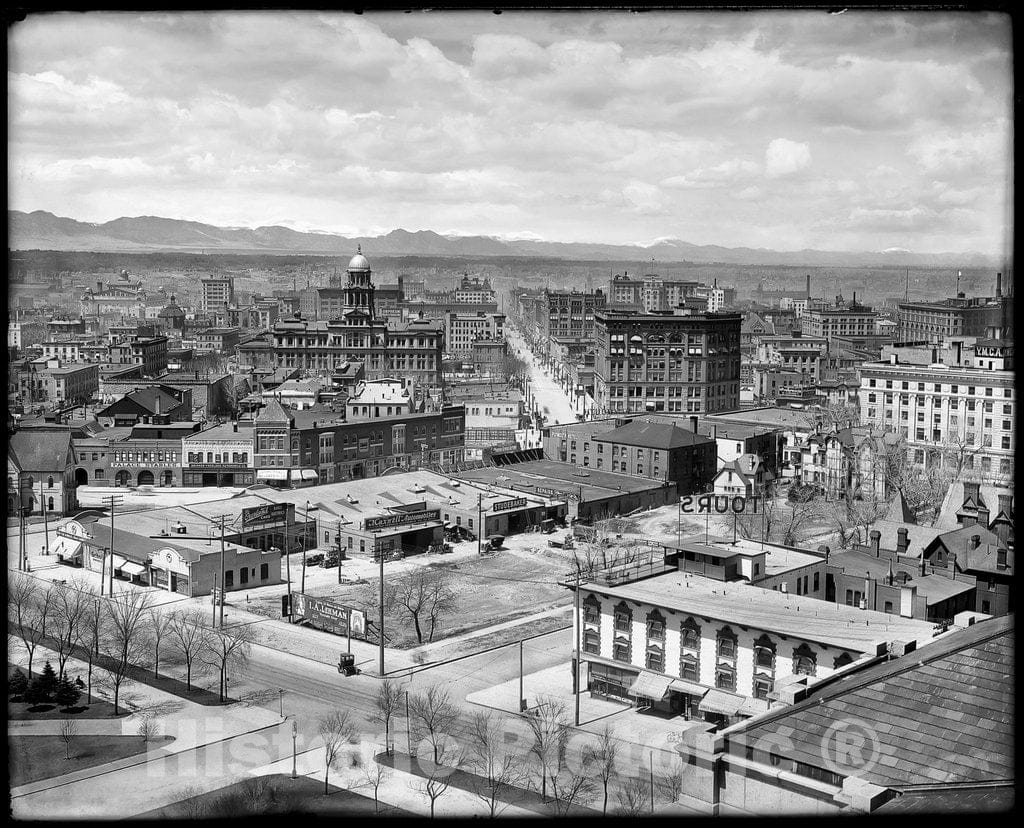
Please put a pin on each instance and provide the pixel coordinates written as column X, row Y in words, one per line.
column 358, row 261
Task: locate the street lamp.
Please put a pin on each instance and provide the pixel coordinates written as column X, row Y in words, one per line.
column 280, row 699
column 295, row 732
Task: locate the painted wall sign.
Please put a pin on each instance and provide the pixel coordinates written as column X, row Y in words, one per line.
column 271, row 513
column 505, row 505
column 389, row 521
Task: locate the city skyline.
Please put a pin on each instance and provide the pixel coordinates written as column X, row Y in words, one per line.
column 786, row 130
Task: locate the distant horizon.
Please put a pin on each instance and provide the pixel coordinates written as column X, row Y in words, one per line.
column 529, row 237
column 782, row 130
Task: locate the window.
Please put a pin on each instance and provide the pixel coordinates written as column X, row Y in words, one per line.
column 690, row 635
column 726, row 643
column 816, row 582
column 591, row 610
column 762, row 685
column 243, row 575
column 592, row 642
column 656, row 659
column 764, row 653
column 805, row 661
column 229, row 579
column 725, row 677
column 264, row 572
column 621, row 649
column 656, row 626
column 888, row 607
column 623, row 618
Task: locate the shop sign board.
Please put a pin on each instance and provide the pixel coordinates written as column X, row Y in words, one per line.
column 505, row 505
column 557, row 493
column 401, row 519
column 270, row 513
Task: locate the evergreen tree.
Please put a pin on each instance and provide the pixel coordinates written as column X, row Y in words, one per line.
column 17, row 684
column 67, row 694
column 48, row 680
column 36, row 692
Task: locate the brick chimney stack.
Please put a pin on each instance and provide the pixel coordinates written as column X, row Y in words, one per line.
column 876, row 539
column 902, row 541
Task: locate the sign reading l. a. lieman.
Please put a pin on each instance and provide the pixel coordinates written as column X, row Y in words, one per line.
column 329, row 616
column 719, row 504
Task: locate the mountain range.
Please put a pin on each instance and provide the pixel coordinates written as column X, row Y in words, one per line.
column 41, row 230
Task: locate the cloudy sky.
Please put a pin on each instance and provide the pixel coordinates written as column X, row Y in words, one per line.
column 859, row 131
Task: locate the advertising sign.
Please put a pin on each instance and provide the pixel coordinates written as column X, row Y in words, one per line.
column 509, row 504
column 718, row 504
column 270, row 513
column 556, row 493
column 329, row 616
column 389, row 521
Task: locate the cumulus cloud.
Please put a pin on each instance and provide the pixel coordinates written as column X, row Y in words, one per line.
column 576, row 127
column 784, row 157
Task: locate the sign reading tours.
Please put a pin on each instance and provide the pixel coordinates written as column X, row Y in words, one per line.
column 402, row 519
column 509, row 504
column 719, row 504
column 329, row 616
column 271, row 513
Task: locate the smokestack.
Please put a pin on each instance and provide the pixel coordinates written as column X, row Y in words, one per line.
column 902, row 541
column 808, row 288
column 999, row 285
column 876, row 539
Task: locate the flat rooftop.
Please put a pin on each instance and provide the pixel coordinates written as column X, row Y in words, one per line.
column 808, row 619
column 765, row 417
column 777, row 559
column 551, row 474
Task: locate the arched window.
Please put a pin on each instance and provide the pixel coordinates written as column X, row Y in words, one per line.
column 623, row 619
column 725, row 677
column 591, row 610
column 805, row 661
column 763, row 684
column 843, row 660
column 592, row 642
column 49, row 504
column 656, row 626
column 122, row 478
column 726, row 643
column 764, row 654
column 49, row 482
column 30, row 482
column 690, row 633
column 656, row 656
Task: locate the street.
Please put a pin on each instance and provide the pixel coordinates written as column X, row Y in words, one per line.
column 549, row 398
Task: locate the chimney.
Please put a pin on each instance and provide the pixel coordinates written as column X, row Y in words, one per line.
column 693, row 422
column 876, row 538
column 923, row 564
column 808, row 287
column 902, row 541
column 157, row 411
column 894, row 359
column 983, row 515
column 234, row 426
column 999, row 285
column 825, row 550
column 935, row 355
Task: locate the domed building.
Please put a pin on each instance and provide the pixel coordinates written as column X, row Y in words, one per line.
column 172, row 316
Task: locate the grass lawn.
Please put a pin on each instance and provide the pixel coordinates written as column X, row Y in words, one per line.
column 274, row 794
column 18, row 711
column 31, row 758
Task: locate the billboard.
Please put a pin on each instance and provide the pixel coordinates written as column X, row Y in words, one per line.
column 270, row 513
column 329, row 616
column 389, row 521
column 556, row 493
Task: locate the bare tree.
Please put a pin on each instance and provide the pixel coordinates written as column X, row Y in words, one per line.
column 89, row 637
column 373, row 776
column 24, row 609
column 336, row 730
column 125, row 641
column 602, row 759
column 851, row 514
column 67, row 731
column 193, row 806
column 485, row 742
column 634, row 798
column 148, row 727
column 258, row 793
column 187, row 636
column 159, row 627
column 569, row 790
column 70, row 608
column 438, row 777
column 389, row 697
column 226, row 648
column 549, row 726
column 421, row 597
column 825, row 416
column 47, row 596
column 507, row 771
column 670, row 780
column 436, row 713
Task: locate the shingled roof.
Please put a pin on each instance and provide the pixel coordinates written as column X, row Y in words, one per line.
column 940, row 715
column 40, row 450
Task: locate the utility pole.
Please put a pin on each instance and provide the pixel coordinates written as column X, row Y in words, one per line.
column 479, row 523
column 213, row 603
column 522, row 698
column 223, row 582
column 46, row 522
column 576, row 661
column 305, row 545
column 380, row 554
column 111, row 501
column 22, row 535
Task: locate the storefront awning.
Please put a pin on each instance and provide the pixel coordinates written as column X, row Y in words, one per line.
column 650, row 685
column 66, row 547
column 132, row 568
column 272, row 474
column 751, row 707
column 718, row 701
column 688, row 687
column 118, row 561
column 309, row 474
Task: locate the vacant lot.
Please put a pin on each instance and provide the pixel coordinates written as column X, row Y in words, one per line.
column 31, row 758
column 511, row 583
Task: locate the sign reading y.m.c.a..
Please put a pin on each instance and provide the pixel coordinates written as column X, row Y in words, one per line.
column 719, row 504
